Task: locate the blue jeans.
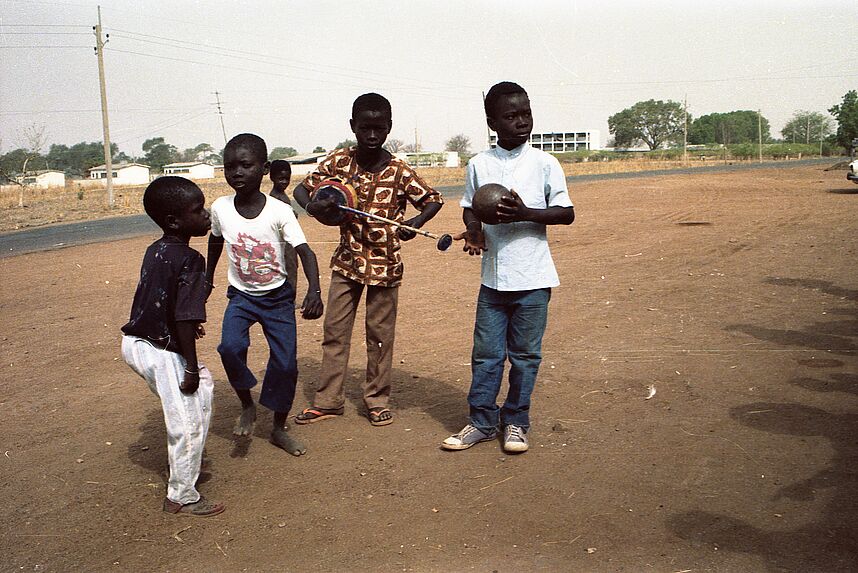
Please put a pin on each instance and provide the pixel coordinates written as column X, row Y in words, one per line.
column 509, row 324
column 275, row 312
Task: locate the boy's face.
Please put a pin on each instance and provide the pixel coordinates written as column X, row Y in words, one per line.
column 194, row 220
column 512, row 120
column 244, row 169
column 371, row 128
column 281, row 179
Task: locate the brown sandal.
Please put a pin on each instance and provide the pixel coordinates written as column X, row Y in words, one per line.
column 380, row 416
column 201, row 508
column 312, row 415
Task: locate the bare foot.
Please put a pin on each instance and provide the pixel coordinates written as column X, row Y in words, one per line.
column 282, row 439
column 244, row 424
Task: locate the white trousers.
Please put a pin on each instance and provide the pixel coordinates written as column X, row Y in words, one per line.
column 186, row 417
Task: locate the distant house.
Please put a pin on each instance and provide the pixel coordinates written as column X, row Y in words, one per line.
column 437, row 159
column 560, row 141
column 304, row 164
column 43, row 179
column 123, row 173
column 191, row 170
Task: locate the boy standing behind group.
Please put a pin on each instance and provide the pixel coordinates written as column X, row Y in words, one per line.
column 255, row 228
column 367, row 257
column 517, row 270
column 281, row 175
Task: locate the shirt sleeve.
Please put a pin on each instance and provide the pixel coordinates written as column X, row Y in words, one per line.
column 325, row 170
column 470, row 186
column 215, row 219
column 418, row 191
column 291, row 229
column 556, row 192
column 191, row 290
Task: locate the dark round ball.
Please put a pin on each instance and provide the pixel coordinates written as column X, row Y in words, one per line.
column 485, row 202
column 334, row 217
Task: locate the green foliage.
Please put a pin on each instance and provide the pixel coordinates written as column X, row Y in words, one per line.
column 282, row 153
column 319, row 149
column 13, row 162
column 846, row 114
column 158, row 153
column 460, row 143
column 732, row 127
column 78, row 159
column 346, row 143
column 655, row 123
column 807, row 126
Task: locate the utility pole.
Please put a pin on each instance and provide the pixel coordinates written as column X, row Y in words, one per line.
column 108, row 160
column 685, row 132
column 220, row 113
column 760, row 132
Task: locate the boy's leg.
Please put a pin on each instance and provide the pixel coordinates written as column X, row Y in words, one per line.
column 238, row 317
column 524, row 346
column 343, row 298
column 276, row 312
column 381, row 306
column 487, row 359
column 186, row 417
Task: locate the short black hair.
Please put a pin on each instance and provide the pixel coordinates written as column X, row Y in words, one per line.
column 371, row 102
column 278, row 166
column 497, row 91
column 168, row 195
column 250, row 141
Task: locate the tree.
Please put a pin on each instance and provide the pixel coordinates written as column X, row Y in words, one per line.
column 319, row 149
column 460, row 143
column 807, row 126
column 346, row 143
column 80, row 157
column 741, row 126
column 282, row 153
column 158, row 153
column 394, row 145
column 846, row 114
column 652, row 122
column 412, row 148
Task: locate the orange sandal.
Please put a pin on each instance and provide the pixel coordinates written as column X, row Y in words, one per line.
column 312, row 415
column 380, row 416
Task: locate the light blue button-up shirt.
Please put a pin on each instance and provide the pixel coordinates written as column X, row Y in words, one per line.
column 517, row 255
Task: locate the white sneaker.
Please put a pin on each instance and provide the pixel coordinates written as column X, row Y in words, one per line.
column 467, row 437
column 515, row 439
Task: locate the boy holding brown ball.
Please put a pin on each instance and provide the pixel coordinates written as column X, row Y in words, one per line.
column 517, row 270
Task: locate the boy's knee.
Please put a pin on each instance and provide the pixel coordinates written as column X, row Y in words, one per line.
column 231, row 348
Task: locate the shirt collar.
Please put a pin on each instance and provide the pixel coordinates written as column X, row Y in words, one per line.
column 502, row 153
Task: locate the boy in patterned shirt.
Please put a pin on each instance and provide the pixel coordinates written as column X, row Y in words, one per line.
column 367, row 257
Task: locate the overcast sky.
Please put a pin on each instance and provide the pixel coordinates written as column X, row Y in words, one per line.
column 289, row 70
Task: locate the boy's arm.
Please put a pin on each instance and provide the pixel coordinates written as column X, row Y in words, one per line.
column 428, row 211
column 301, row 195
column 186, row 332
column 475, row 241
column 512, row 209
column 214, row 252
column 312, row 307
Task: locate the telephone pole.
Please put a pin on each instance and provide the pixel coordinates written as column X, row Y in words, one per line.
column 685, row 132
column 108, row 161
column 760, row 132
column 220, row 113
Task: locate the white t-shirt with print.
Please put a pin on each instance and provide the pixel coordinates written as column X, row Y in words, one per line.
column 517, row 256
column 255, row 246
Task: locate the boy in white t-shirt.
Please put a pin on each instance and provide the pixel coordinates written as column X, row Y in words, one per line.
column 517, row 270
column 255, row 229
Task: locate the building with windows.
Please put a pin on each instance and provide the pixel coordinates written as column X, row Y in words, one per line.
column 123, row 173
column 560, row 141
column 43, row 179
column 191, row 170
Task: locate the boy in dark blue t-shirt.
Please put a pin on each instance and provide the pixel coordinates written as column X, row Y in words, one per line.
column 159, row 341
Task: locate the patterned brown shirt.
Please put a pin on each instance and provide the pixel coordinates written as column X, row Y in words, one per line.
column 368, row 251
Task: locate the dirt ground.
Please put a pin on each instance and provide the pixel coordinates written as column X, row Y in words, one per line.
column 734, row 295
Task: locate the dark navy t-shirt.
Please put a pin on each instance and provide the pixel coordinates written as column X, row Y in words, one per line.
column 172, row 288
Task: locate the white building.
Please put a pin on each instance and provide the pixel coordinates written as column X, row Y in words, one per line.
column 438, row 159
column 560, row 141
column 191, row 170
column 305, row 164
column 123, row 173
column 43, row 179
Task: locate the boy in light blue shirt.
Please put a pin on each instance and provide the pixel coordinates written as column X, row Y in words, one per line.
column 517, row 270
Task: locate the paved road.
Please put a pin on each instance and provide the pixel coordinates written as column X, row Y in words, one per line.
column 101, row 230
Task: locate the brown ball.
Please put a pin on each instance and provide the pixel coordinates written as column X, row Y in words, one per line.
column 485, row 202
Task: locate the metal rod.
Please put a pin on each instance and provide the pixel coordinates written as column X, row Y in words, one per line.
column 386, row 220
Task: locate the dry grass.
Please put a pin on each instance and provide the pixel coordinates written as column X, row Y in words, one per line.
column 80, row 201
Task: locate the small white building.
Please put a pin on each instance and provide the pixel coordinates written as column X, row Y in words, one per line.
column 43, row 179
column 191, row 170
column 560, row 141
column 437, row 159
column 306, row 163
column 123, row 173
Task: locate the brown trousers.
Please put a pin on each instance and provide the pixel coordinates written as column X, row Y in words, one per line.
column 343, row 299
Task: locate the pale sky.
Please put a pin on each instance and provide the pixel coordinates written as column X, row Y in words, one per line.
column 289, row 70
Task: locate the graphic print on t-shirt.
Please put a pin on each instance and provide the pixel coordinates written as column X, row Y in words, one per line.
column 256, row 262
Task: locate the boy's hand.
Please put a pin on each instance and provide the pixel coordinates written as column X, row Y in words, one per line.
column 475, row 241
column 408, row 234
column 191, row 382
column 199, row 331
column 323, row 209
column 512, row 209
column 312, row 307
